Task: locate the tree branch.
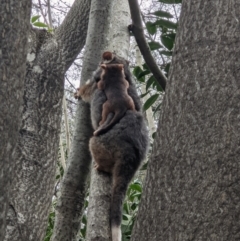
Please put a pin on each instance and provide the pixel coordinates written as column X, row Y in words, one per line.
column 71, row 34
column 137, row 29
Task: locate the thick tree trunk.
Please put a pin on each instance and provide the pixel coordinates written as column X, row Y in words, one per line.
column 48, row 58
column 14, row 22
column 192, row 185
column 73, row 187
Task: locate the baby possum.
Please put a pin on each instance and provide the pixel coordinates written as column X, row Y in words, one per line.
column 112, row 58
column 115, row 87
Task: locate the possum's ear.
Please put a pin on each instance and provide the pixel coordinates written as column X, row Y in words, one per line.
column 107, row 57
column 103, row 66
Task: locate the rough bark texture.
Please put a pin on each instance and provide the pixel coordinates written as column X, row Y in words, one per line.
column 98, row 228
column 192, row 185
column 73, row 187
column 14, row 22
column 47, row 60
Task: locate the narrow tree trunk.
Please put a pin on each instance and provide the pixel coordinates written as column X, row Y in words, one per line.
column 192, row 185
column 48, row 58
column 14, row 22
column 73, row 187
column 98, row 226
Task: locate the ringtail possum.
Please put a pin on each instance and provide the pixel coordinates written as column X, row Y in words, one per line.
column 121, row 149
column 115, row 87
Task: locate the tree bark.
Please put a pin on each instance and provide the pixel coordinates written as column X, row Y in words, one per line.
column 14, row 22
column 98, row 226
column 192, row 184
column 47, row 61
column 73, row 187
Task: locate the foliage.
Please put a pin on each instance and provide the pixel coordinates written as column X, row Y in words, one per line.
column 161, row 26
column 34, row 21
column 130, row 208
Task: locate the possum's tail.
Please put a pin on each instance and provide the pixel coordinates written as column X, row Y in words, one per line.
column 122, row 174
column 109, row 124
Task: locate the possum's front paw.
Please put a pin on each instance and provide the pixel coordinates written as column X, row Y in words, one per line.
column 77, row 94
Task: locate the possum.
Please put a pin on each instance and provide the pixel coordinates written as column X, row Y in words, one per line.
column 115, row 87
column 112, row 58
column 122, row 148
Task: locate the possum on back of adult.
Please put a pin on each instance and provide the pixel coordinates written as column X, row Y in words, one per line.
column 115, row 87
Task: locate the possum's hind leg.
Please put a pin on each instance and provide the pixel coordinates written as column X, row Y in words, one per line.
column 103, row 157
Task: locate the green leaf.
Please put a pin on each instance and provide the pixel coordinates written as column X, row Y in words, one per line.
column 150, row 81
column 170, row 1
column 127, row 217
column 166, row 23
column 166, row 53
column 167, row 41
column 154, row 45
column 136, row 71
column 40, row 24
column 136, row 187
column 134, row 206
column 163, row 14
column 155, row 111
column 157, row 86
column 151, row 28
column 142, row 95
column 145, row 66
column 150, row 101
column 145, row 72
column 167, row 67
column 35, row 18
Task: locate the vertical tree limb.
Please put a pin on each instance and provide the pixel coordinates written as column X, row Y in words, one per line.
column 15, row 25
column 37, row 150
column 191, row 190
column 100, row 192
column 73, row 188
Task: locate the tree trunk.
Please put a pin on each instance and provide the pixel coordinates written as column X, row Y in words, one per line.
column 14, row 22
column 192, row 184
column 73, row 187
column 48, row 59
column 98, row 226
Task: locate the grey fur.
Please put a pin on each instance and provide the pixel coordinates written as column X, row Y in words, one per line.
column 121, row 150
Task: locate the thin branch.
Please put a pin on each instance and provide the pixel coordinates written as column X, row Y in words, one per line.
column 137, row 30
column 70, row 82
column 49, row 14
column 63, row 161
column 43, row 14
column 66, row 123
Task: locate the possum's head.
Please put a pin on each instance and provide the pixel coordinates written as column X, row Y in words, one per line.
column 107, row 57
column 87, row 90
column 112, row 70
